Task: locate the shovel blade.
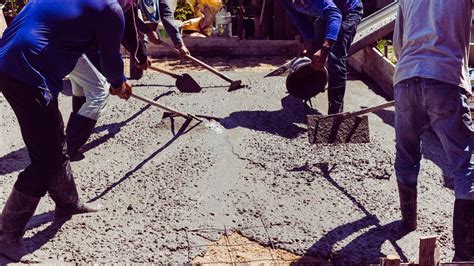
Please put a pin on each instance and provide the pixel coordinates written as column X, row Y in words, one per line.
column 338, row 129
column 186, row 83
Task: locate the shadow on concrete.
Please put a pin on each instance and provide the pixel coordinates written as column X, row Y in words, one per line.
column 280, row 123
column 183, row 130
column 431, row 147
column 14, row 161
column 366, row 248
column 114, row 128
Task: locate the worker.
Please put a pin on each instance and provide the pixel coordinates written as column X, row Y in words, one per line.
column 432, row 85
column 328, row 35
column 42, row 46
column 89, row 87
column 161, row 11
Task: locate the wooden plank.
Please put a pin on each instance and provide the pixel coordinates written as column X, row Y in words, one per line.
column 429, row 255
column 215, row 46
column 390, row 260
column 373, row 64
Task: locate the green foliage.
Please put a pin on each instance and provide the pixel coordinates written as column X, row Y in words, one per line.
column 184, row 11
column 12, row 7
column 382, row 43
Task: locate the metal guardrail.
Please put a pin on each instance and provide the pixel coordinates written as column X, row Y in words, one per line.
column 375, row 27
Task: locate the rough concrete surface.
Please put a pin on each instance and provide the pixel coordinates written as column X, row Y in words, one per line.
column 338, row 129
column 162, row 182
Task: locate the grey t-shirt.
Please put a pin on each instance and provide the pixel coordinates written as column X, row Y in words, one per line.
column 431, row 40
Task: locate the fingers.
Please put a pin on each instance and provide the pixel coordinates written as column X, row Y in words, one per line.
column 123, row 92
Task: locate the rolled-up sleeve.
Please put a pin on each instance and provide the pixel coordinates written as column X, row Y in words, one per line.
column 109, row 34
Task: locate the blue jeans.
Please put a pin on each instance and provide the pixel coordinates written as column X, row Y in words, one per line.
column 337, row 61
column 421, row 103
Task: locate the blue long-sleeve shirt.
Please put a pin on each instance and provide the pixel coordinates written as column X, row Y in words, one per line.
column 44, row 42
column 331, row 10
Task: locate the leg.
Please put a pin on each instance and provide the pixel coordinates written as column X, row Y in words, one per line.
column 410, row 122
column 42, row 130
column 93, row 85
column 337, row 61
column 451, row 120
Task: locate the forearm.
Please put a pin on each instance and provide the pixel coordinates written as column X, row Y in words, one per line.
column 108, row 35
column 169, row 23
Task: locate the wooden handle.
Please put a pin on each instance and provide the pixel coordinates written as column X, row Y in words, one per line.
column 199, row 62
column 166, row 108
column 360, row 112
column 165, row 71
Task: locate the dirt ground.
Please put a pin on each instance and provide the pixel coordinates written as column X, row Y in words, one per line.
column 171, row 187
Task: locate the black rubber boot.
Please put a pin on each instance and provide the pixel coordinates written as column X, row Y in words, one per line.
column 336, row 100
column 63, row 191
column 79, row 129
column 77, row 102
column 18, row 210
column 407, row 206
column 463, row 224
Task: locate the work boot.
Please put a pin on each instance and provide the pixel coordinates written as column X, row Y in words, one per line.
column 77, row 103
column 16, row 213
column 79, row 129
column 463, row 224
column 63, row 191
column 407, row 206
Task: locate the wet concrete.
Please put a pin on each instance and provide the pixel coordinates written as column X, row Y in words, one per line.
column 338, row 129
column 163, row 181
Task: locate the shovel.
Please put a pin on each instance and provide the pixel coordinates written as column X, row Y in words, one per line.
column 184, row 82
column 234, row 84
column 343, row 127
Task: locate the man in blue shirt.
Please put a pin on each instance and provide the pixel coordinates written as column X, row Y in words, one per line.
column 328, row 35
column 37, row 50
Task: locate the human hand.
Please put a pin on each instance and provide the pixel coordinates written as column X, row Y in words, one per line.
column 183, row 51
column 123, row 92
column 145, row 65
column 320, row 58
column 153, row 37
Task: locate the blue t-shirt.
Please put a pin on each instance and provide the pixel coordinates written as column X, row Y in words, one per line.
column 44, row 42
column 331, row 10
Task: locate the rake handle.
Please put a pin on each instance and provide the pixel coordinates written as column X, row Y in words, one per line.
column 361, row 112
column 165, row 71
column 164, row 107
column 199, row 62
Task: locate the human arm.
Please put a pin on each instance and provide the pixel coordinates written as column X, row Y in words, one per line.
column 171, row 27
column 398, row 32
column 131, row 40
column 109, row 32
